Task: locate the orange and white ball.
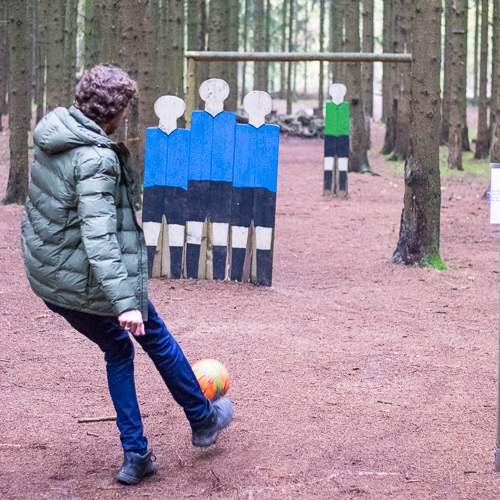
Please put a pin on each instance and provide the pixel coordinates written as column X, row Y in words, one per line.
column 212, row 377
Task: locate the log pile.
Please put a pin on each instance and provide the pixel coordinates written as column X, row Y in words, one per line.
column 301, row 124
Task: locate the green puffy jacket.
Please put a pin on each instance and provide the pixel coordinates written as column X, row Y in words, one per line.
column 83, row 248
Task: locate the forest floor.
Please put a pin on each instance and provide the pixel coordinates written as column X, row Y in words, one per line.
column 351, row 377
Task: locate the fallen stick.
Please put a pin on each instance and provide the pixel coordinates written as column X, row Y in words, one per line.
column 89, row 420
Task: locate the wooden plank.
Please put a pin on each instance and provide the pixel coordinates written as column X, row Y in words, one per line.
column 221, row 176
column 264, row 208
column 198, row 195
column 242, row 200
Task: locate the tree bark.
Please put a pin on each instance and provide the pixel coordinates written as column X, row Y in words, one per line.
column 109, row 34
column 131, row 17
column 445, row 103
column 483, row 135
column 337, row 11
column 90, row 35
column 387, row 68
column 402, row 118
column 69, row 55
column 233, row 45
column 394, row 78
column 20, row 54
column 495, row 125
column 458, row 58
column 283, row 66
column 55, row 55
column 321, row 86
column 368, row 46
column 476, row 51
column 419, row 233
column 218, row 36
column 246, row 18
column 40, row 54
column 4, row 56
column 359, row 136
column 289, row 89
column 260, row 77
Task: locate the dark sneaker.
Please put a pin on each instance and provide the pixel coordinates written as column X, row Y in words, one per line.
column 205, row 434
column 135, row 467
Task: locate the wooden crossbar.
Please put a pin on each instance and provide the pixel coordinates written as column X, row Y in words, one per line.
column 300, row 56
column 193, row 57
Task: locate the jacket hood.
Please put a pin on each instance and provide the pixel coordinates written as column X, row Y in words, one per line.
column 63, row 129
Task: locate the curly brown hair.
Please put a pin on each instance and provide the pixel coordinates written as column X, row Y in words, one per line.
column 103, row 91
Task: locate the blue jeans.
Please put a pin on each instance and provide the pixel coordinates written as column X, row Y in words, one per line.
column 118, row 350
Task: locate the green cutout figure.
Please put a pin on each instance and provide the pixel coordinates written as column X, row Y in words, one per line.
column 337, row 141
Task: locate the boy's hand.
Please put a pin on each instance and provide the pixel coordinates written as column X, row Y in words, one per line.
column 132, row 321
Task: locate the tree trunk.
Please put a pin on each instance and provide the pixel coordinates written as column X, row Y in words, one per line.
column 233, row 45
column 283, row 66
column 387, row 68
column 90, row 34
column 321, row 91
column 465, row 128
column 483, row 135
column 402, row 118
column 359, row 137
column 196, row 39
column 267, row 46
column 394, row 78
column 368, row 46
column 337, row 10
column 70, row 31
column 495, row 125
column 420, row 220
column 445, row 104
column 476, row 51
column 4, row 56
column 458, row 56
column 55, row 55
column 246, row 18
column 131, row 16
column 260, row 77
column 20, row 53
column 109, row 34
column 40, row 30
column 289, row 89
column 218, row 36
column 306, row 45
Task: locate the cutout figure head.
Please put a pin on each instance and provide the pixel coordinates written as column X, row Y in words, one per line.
column 258, row 104
column 169, row 109
column 214, row 92
column 337, row 92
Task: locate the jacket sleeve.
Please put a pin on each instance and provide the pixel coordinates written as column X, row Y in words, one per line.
column 96, row 183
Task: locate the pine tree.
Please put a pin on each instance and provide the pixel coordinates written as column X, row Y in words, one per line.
column 368, row 46
column 55, row 82
column 495, row 125
column 483, row 135
column 359, row 136
column 260, row 74
column 419, row 232
column 291, row 32
column 458, row 58
column 4, row 57
column 20, row 54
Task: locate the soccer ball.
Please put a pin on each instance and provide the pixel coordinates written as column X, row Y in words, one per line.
column 212, row 377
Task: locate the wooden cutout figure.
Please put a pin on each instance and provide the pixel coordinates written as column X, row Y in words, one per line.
column 254, row 192
column 337, row 142
column 165, row 187
column 210, row 176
